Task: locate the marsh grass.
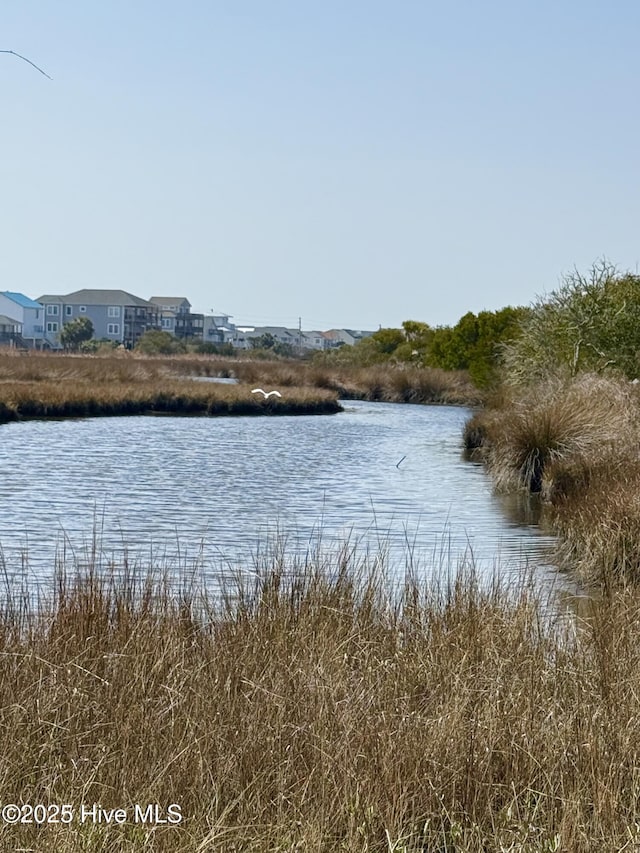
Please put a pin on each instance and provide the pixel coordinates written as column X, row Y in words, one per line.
column 382, row 383
column 596, row 512
column 389, row 383
column 85, row 398
column 577, row 443
column 313, row 707
column 586, row 420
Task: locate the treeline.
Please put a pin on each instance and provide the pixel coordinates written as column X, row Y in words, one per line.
column 589, row 324
column 474, row 344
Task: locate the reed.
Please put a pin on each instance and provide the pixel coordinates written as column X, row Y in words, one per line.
column 314, row 709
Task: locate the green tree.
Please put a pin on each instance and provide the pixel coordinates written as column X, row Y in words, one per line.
column 156, row 342
column 590, row 323
column 270, row 343
column 416, row 344
column 374, row 349
column 76, row 332
column 475, row 343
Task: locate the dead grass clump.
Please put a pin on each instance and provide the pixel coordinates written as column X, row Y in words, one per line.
column 585, row 421
column 475, row 432
column 578, row 444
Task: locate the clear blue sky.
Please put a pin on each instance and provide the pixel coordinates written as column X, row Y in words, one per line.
column 352, row 162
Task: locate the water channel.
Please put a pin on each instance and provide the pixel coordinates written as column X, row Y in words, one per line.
column 220, row 492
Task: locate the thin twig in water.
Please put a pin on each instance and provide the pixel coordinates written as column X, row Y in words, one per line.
column 19, row 55
column 398, row 464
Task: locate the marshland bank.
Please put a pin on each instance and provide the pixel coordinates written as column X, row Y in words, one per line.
column 58, row 385
column 575, row 442
column 55, row 386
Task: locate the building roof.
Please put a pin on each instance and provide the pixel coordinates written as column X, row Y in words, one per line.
column 276, row 331
column 21, row 299
column 340, row 334
column 88, row 296
column 169, row 300
column 51, row 299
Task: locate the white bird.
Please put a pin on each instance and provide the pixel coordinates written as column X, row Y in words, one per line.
column 266, row 394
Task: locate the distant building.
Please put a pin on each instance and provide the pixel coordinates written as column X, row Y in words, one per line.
column 338, row 337
column 297, row 339
column 311, row 340
column 116, row 315
column 176, row 317
column 27, row 313
column 10, row 332
column 218, row 329
column 245, row 334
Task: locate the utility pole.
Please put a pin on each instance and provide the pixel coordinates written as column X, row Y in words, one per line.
column 299, row 332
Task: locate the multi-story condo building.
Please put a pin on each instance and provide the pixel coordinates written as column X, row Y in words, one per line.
column 176, row 317
column 115, row 314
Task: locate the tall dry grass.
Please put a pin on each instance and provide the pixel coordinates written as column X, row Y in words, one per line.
column 49, row 399
column 61, row 385
column 577, row 443
column 388, row 383
column 583, row 421
column 314, row 710
column 382, row 383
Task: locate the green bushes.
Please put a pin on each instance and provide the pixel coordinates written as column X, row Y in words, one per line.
column 76, row 332
column 591, row 323
column 155, row 342
column 475, row 343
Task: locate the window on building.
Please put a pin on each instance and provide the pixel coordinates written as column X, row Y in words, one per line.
column 82, row 309
column 52, row 327
column 114, row 311
column 68, row 310
column 113, row 328
column 52, row 310
column 166, row 322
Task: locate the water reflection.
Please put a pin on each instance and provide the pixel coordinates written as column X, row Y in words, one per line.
column 521, row 508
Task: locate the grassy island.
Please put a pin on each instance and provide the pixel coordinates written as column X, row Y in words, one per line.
column 54, row 385
column 39, row 385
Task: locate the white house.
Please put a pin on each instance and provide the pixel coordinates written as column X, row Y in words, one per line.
column 27, row 312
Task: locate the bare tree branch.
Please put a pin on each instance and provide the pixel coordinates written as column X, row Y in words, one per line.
column 13, row 53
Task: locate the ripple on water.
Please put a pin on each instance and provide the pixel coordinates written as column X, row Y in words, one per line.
column 225, row 488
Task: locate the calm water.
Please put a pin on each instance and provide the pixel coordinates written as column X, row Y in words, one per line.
column 221, row 491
